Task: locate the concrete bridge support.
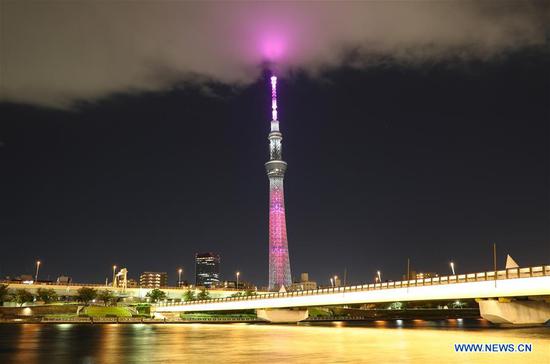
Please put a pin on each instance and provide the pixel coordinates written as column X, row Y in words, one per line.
column 514, row 312
column 166, row 315
column 281, row 315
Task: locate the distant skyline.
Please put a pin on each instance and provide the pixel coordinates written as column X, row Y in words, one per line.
column 423, row 146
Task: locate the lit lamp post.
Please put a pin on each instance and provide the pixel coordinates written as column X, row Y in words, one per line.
column 37, row 269
column 114, row 275
column 453, row 268
column 179, row 277
column 379, row 276
column 238, row 274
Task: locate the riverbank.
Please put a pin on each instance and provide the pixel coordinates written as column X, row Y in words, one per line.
column 75, row 314
column 122, row 320
column 208, row 320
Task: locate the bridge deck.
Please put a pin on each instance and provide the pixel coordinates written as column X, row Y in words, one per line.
column 515, row 282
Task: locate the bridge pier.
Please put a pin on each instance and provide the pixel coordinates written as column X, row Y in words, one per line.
column 514, row 312
column 281, row 315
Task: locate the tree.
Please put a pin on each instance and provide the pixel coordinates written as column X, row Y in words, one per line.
column 189, row 296
column 396, row 306
column 46, row 295
column 203, row 295
column 86, row 294
column 246, row 293
column 106, row 296
column 156, row 295
column 250, row 292
column 4, row 293
column 458, row 304
column 22, row 296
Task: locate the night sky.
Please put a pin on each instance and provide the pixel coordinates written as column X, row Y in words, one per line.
column 433, row 160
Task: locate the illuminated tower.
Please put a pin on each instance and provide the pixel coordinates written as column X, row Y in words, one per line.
column 279, row 262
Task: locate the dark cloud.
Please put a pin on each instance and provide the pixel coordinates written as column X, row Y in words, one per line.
column 55, row 52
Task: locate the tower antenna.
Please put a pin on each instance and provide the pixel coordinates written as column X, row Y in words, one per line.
column 274, row 119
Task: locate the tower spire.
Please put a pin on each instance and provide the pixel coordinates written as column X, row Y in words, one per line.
column 274, row 120
column 279, row 262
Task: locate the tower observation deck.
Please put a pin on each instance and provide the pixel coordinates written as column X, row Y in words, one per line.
column 279, row 261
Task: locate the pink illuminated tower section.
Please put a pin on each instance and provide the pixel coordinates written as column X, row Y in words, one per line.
column 279, row 262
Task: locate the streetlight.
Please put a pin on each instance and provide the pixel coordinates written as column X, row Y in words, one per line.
column 114, row 276
column 179, row 277
column 379, row 276
column 238, row 274
column 37, row 269
column 453, row 268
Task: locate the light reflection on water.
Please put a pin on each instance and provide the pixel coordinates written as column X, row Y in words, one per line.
column 378, row 342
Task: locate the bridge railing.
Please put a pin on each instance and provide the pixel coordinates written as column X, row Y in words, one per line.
column 511, row 273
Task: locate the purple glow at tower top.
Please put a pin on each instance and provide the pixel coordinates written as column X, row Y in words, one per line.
column 274, row 98
column 272, row 47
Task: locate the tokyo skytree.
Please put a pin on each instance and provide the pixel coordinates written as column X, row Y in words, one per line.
column 279, row 262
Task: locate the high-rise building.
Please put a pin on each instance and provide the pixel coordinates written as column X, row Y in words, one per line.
column 207, row 269
column 279, row 261
column 153, row 279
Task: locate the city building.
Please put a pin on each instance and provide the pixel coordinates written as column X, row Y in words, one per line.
column 63, row 280
column 132, row 283
column 304, row 284
column 153, row 279
column 426, row 275
column 207, row 269
column 23, row 278
column 279, row 261
column 233, row 285
column 422, row 275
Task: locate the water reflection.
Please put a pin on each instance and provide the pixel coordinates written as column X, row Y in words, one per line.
column 26, row 347
column 379, row 341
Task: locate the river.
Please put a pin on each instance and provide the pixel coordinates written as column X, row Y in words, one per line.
column 338, row 342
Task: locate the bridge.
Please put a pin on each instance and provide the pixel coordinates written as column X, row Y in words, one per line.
column 510, row 296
